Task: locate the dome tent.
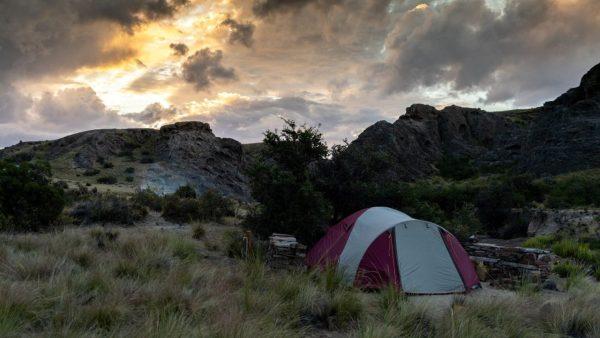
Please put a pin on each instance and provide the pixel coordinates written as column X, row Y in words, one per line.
column 378, row 246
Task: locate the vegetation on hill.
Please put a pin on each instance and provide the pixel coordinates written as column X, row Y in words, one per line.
column 299, row 190
column 283, row 184
column 28, row 201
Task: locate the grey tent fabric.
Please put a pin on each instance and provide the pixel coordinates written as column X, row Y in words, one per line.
column 367, row 228
column 423, row 260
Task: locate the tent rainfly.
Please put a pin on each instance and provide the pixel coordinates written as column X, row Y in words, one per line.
column 379, row 246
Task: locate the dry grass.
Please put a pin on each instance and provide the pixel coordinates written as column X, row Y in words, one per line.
column 145, row 282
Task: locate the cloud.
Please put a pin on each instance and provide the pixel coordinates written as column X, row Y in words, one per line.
column 246, row 119
column 239, row 32
column 74, row 109
column 42, row 37
column 267, row 7
column 205, row 67
column 518, row 52
column 128, row 13
column 12, row 104
column 179, row 48
column 153, row 114
column 55, row 114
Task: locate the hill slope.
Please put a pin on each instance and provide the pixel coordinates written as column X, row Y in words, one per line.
column 163, row 160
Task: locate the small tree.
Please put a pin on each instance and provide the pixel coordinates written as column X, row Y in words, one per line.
column 28, row 202
column 281, row 181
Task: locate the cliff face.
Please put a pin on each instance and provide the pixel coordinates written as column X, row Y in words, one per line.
column 561, row 136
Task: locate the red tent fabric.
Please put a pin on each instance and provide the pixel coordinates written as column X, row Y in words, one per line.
column 376, row 247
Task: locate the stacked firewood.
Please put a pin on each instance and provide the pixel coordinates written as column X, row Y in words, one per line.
column 285, row 251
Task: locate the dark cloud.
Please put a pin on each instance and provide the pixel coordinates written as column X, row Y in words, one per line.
column 520, row 51
column 240, row 32
column 127, row 13
column 154, row 113
column 267, row 7
column 42, row 37
column 179, row 48
column 205, row 67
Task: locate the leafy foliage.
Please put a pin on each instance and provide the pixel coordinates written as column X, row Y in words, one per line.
column 108, row 179
column 28, row 202
column 185, row 191
column 109, row 208
column 211, row 206
column 281, row 180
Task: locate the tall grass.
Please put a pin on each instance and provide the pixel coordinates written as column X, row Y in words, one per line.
column 144, row 282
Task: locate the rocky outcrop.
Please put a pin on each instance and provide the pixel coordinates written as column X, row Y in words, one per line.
column 177, row 154
column 566, row 222
column 191, row 150
column 561, row 136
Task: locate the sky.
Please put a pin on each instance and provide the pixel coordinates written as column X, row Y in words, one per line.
column 242, row 65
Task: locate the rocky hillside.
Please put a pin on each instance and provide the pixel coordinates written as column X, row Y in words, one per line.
column 163, row 160
column 561, row 136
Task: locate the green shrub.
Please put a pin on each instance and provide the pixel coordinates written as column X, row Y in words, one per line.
column 233, row 241
column 91, row 172
column 125, row 153
column 104, row 237
column 129, row 170
column 215, row 206
column 129, row 179
column 109, row 208
column 147, row 160
column 457, row 168
column 567, row 269
column 282, row 182
column 572, row 249
column 198, row 231
column 108, row 165
column 540, row 242
column 109, row 179
column 181, row 210
column 28, row 202
column 184, row 250
column 185, row 191
column 149, row 199
column 580, row 189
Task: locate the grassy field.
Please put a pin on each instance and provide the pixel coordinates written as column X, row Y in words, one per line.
column 161, row 282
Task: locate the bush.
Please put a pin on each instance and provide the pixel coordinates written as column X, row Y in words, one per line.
column 185, row 191
column 129, row 179
column 109, row 179
column 198, row 231
column 215, row 206
column 129, row 170
column 28, row 202
column 233, row 241
column 147, row 160
column 456, row 168
column 567, row 269
column 91, row 172
column 581, row 189
column 108, row 165
column 570, row 248
column 181, row 210
column 148, row 198
column 109, row 208
column 540, row 242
